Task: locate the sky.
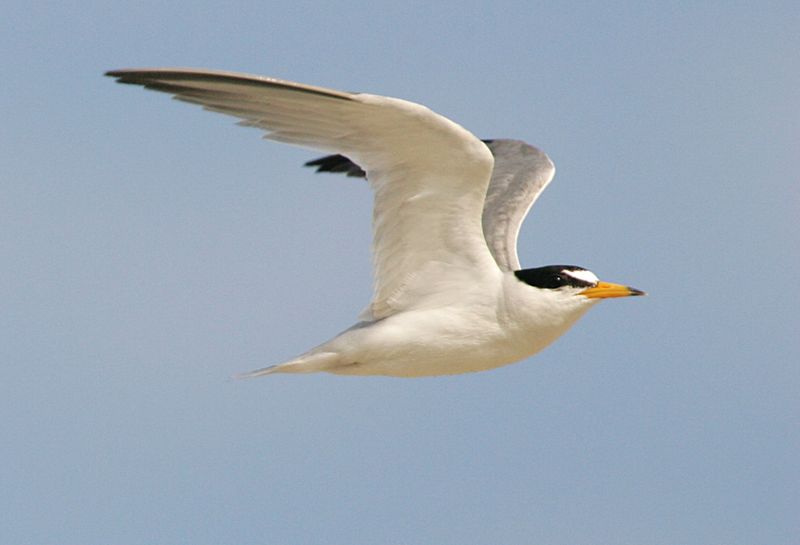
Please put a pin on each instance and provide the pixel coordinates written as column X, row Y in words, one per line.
column 151, row 250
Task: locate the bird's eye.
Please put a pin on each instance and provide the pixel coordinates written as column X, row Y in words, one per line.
column 558, row 279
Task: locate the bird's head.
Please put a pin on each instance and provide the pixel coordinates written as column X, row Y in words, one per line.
column 572, row 280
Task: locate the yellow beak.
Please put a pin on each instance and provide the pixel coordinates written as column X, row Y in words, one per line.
column 605, row 290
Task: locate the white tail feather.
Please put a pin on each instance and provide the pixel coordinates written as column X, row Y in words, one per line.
column 307, row 363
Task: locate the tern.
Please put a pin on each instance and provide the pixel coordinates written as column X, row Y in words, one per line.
column 449, row 295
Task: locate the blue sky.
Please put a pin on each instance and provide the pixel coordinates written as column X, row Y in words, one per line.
column 150, row 250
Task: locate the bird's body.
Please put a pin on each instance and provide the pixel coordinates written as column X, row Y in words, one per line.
column 473, row 330
column 450, row 296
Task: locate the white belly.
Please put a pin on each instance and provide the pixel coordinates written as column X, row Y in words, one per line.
column 430, row 343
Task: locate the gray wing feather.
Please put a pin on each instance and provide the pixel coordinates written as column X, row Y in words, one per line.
column 521, row 172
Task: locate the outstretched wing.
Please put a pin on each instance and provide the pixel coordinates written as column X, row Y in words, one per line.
column 429, row 175
column 521, row 172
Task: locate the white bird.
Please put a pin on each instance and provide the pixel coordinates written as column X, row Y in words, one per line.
column 449, row 294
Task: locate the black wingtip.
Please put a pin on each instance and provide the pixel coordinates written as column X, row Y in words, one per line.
column 125, row 76
column 336, row 164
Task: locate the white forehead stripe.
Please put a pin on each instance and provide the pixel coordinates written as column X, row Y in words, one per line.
column 586, row 276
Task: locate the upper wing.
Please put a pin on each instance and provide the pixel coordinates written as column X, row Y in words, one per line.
column 429, row 175
column 521, row 172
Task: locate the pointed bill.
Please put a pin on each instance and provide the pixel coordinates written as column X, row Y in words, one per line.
column 605, row 290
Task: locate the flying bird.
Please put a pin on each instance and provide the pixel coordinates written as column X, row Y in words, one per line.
column 449, row 295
